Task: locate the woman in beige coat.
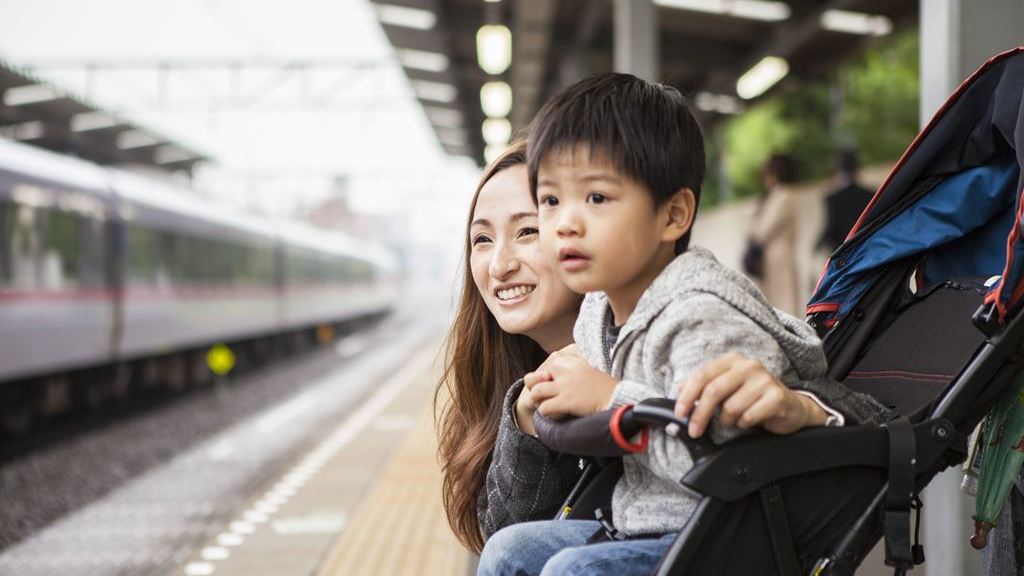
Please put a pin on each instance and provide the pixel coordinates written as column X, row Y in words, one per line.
column 774, row 229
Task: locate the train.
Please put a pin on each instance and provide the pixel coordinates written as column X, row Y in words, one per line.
column 125, row 278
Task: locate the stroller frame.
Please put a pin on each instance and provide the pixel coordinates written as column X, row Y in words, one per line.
column 909, row 451
column 756, row 464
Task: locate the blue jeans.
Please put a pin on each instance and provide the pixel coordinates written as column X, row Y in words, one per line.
column 559, row 548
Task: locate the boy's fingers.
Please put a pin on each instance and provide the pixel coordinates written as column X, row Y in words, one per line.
column 738, row 403
column 714, row 394
column 533, row 378
column 689, row 390
column 693, row 387
column 769, row 406
column 550, row 408
column 542, row 391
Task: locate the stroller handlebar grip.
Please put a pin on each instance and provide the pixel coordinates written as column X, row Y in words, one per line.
column 591, row 435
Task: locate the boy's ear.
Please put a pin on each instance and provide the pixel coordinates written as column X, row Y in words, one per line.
column 679, row 210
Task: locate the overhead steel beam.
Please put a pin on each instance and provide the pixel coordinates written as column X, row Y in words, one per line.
column 531, row 31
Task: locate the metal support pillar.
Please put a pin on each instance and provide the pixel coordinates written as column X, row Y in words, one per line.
column 636, row 38
column 957, row 36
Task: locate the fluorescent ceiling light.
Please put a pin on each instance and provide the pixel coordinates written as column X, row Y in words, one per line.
column 405, row 17
column 436, row 91
column 761, row 77
column 444, row 117
column 492, row 151
column 136, row 139
column 497, row 131
column 86, row 121
column 171, row 154
column 494, row 48
column 423, row 60
column 856, row 23
column 451, row 137
column 496, row 99
column 31, row 94
column 764, row 10
column 720, row 103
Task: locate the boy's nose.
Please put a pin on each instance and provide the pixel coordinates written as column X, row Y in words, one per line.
column 568, row 224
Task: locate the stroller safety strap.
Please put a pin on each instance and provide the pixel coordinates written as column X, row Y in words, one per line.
column 900, row 495
column 781, row 536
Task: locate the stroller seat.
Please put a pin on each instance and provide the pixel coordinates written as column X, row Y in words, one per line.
column 915, row 358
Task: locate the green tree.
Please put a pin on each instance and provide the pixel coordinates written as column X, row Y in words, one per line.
column 876, row 112
column 881, row 95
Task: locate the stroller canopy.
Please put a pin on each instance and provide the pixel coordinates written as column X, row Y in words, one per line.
column 952, row 202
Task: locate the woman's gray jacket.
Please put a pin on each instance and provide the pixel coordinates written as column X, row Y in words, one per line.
column 525, row 480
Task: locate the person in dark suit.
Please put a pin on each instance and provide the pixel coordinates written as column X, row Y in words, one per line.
column 844, row 204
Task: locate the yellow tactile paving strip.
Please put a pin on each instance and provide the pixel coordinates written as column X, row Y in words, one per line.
column 400, row 528
column 369, row 505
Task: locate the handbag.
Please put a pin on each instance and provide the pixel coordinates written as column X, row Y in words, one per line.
column 753, row 259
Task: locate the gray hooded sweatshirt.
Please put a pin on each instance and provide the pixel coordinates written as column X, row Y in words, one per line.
column 693, row 312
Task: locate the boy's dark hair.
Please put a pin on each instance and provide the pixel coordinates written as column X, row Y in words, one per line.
column 645, row 130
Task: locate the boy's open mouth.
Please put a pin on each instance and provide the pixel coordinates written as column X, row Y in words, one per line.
column 572, row 259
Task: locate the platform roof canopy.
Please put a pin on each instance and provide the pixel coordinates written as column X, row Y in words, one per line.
column 704, row 48
column 37, row 113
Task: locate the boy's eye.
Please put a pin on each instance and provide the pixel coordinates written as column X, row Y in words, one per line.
column 596, row 198
column 479, row 239
column 548, row 201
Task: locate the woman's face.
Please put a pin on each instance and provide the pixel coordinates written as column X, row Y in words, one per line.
column 519, row 287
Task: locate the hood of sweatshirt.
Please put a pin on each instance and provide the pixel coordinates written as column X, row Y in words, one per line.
column 697, row 271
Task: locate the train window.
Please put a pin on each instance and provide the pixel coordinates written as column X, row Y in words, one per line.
column 62, row 250
column 140, row 254
column 22, row 247
column 49, row 249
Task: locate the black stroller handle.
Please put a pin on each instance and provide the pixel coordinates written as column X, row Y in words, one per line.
column 591, row 436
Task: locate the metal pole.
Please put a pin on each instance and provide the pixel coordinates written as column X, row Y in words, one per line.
column 636, row 38
column 957, row 36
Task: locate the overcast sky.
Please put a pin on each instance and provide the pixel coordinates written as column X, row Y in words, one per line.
column 366, row 125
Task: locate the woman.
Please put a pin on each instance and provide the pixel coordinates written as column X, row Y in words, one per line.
column 513, row 312
column 774, row 229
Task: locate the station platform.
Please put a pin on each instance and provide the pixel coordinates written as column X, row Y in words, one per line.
column 364, row 500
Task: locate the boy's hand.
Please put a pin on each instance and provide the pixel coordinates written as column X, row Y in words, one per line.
column 748, row 395
column 565, row 385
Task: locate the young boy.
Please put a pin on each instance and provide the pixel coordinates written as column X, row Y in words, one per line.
column 616, row 165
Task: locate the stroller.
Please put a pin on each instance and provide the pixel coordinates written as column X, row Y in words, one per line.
column 920, row 308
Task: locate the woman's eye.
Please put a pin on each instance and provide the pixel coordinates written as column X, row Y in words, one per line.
column 480, row 239
column 596, row 198
column 528, row 231
column 548, row 201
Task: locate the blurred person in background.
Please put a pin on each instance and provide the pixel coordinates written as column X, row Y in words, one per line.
column 844, row 204
column 773, row 235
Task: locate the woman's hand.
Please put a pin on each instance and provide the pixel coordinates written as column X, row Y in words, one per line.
column 566, row 385
column 524, row 412
column 748, row 395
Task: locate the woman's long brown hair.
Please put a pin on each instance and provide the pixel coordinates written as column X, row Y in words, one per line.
column 481, row 362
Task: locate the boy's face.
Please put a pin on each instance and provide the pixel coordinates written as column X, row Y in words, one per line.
column 600, row 226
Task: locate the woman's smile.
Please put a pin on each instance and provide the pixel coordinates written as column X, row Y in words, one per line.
column 512, row 295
